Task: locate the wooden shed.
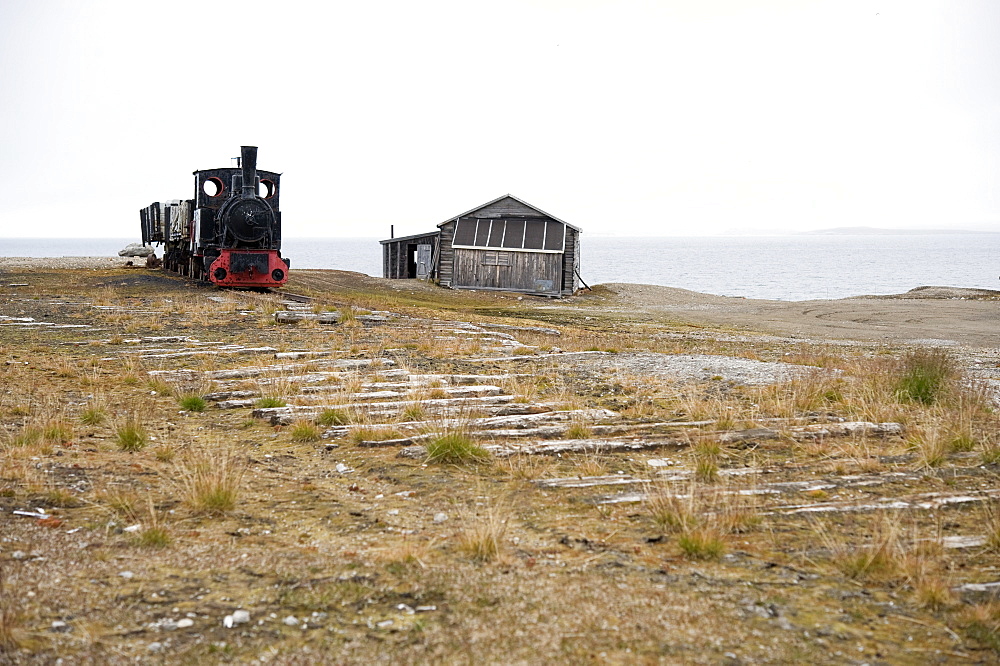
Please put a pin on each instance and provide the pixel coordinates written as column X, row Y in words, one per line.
column 409, row 256
column 505, row 245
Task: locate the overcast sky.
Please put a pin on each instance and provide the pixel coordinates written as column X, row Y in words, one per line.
column 627, row 118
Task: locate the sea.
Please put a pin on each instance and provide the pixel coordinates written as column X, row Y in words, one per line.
column 789, row 268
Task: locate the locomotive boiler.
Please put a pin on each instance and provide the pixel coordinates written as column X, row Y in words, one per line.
column 229, row 233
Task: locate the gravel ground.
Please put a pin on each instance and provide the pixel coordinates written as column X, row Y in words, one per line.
column 68, row 262
column 697, row 367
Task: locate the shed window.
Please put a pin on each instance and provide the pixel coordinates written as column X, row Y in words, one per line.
column 482, row 233
column 465, row 232
column 554, row 235
column 514, row 236
column 510, row 233
column 496, row 258
column 496, row 232
column 534, row 234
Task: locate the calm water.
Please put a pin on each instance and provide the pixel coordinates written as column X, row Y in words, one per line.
column 778, row 267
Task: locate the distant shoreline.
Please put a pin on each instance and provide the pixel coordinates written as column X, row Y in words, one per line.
column 876, row 231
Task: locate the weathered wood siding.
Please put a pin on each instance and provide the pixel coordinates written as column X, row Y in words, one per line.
column 446, row 254
column 504, row 207
column 571, row 262
column 535, row 272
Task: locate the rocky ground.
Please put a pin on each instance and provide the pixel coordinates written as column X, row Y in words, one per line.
column 410, row 474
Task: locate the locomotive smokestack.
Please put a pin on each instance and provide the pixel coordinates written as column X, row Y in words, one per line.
column 249, row 164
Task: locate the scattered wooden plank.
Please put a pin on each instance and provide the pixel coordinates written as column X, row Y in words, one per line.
column 259, row 371
column 228, row 395
column 209, row 352
column 524, row 329
column 385, row 443
column 302, row 354
column 815, row 431
column 289, row 317
column 279, row 415
column 535, row 357
column 590, row 481
column 577, row 446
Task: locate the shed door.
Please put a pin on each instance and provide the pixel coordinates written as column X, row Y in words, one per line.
column 423, row 261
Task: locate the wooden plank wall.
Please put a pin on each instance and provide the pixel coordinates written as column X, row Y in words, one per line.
column 571, row 262
column 532, row 272
column 446, row 261
column 504, row 207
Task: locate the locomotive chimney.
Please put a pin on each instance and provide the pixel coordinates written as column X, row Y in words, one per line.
column 249, row 164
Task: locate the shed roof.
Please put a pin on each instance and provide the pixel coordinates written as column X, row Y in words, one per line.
column 428, row 234
column 520, row 201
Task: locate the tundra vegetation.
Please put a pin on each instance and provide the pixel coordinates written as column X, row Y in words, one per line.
column 440, row 477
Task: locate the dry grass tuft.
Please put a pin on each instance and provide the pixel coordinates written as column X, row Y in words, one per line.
column 122, row 503
column 705, row 542
column 131, row 434
column 932, row 445
column 333, row 417
column 192, row 402
column 526, row 467
column 305, row 431
column 669, row 511
column 702, row 517
column 483, row 532
column 154, row 533
column 455, row 446
column 880, row 559
column 366, row 433
column 981, row 622
column 93, row 415
column 926, row 376
column 210, row 480
column 579, row 429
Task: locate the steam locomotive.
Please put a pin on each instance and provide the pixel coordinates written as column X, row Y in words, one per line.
column 229, row 233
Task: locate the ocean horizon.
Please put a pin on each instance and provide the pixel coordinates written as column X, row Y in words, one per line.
column 791, row 267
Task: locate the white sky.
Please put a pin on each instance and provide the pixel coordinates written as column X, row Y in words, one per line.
column 628, row 118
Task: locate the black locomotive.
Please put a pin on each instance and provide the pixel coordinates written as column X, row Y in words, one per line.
column 230, row 233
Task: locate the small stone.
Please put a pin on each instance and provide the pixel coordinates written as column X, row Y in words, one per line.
column 241, row 617
column 155, row 647
column 291, row 621
column 59, row 626
column 185, row 623
column 384, row 624
column 133, row 528
column 127, row 575
column 425, row 609
column 405, row 609
column 440, row 517
column 19, row 555
column 168, row 624
column 393, row 512
column 227, row 622
column 415, row 452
